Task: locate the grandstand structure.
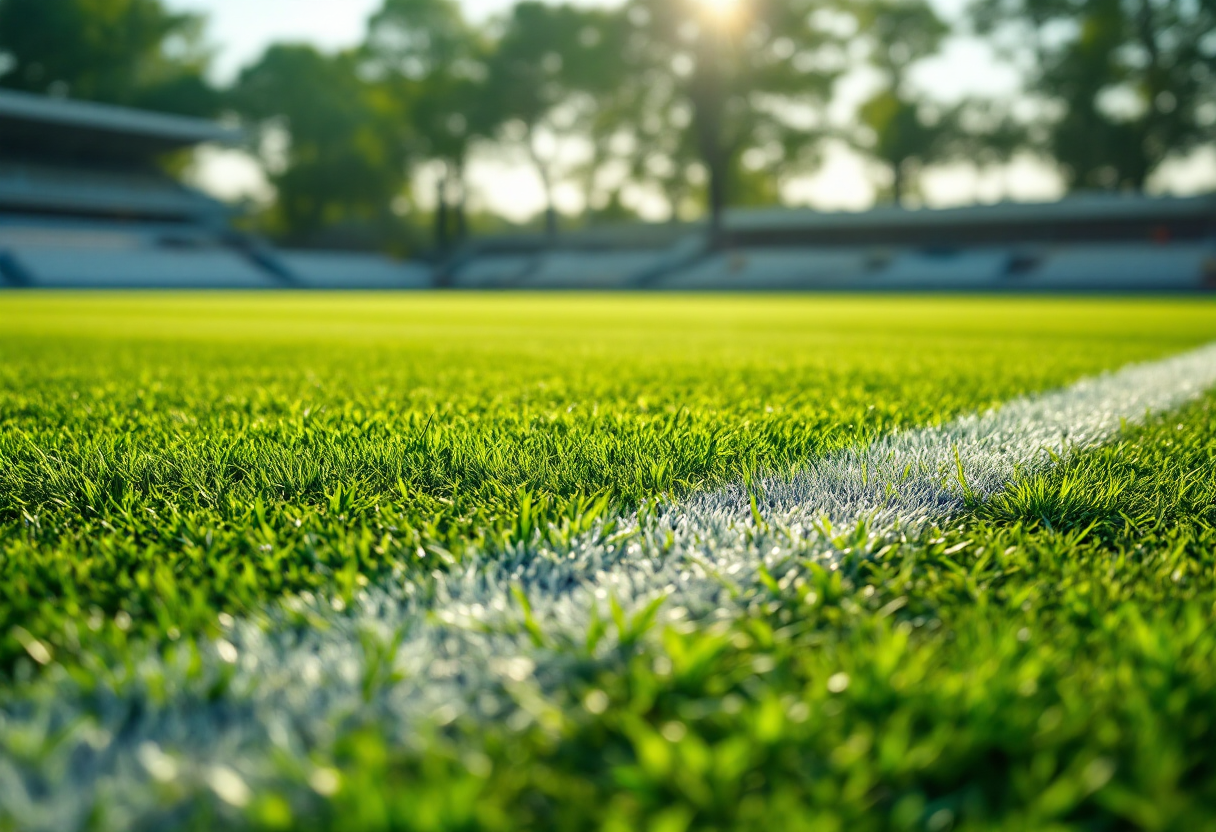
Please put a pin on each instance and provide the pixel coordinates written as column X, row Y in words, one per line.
column 1092, row 242
column 85, row 203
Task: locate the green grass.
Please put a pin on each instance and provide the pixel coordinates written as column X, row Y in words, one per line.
column 1050, row 663
column 167, row 458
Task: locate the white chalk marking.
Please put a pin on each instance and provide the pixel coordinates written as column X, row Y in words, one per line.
column 458, row 645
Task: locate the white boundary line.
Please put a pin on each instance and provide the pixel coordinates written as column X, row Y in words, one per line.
column 460, row 646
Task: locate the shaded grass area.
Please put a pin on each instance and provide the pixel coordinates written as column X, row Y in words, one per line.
column 1047, row 663
column 167, row 457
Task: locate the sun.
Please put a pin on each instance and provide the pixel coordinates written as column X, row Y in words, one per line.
column 723, row 12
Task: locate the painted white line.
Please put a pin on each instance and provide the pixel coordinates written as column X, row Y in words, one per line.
column 904, row 478
column 460, row 645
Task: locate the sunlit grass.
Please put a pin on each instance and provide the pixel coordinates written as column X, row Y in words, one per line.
column 1046, row 663
column 172, row 455
column 166, row 458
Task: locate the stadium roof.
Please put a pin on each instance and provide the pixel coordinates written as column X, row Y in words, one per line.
column 1078, row 207
column 1095, row 217
column 42, row 127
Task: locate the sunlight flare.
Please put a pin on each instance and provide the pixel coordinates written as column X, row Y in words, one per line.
column 722, row 12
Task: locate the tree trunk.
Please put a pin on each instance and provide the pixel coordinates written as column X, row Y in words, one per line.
column 462, row 222
column 1146, row 29
column 441, row 214
column 598, row 154
column 708, row 99
column 459, row 210
column 897, row 182
column 717, row 192
column 546, row 181
column 1137, row 176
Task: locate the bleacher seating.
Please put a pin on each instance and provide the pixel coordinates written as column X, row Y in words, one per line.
column 1124, row 267
column 78, row 189
column 82, row 268
column 495, row 271
column 346, row 270
column 950, row 270
column 84, row 202
column 590, row 269
column 771, row 269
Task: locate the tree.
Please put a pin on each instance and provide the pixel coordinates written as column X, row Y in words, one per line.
column 548, row 72
column 663, row 151
column 754, row 78
column 901, row 134
column 129, row 52
column 1123, row 83
column 433, row 61
column 342, row 161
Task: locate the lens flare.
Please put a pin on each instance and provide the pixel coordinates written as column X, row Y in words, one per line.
column 721, row 11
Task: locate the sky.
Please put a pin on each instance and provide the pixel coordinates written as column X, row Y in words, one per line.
column 241, row 29
column 238, row 31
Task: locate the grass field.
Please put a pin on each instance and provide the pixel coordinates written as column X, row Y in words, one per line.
column 181, row 473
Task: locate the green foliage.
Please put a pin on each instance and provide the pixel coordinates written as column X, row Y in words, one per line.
column 432, row 61
column 902, row 33
column 551, row 68
column 1127, row 84
column 733, row 79
column 132, row 52
column 546, row 54
column 332, row 143
column 900, row 137
column 701, row 103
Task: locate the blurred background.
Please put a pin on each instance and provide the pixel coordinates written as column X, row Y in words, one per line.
column 408, row 128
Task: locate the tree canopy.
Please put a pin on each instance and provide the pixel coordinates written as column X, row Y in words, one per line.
column 332, row 143
column 1124, row 83
column 131, row 52
column 695, row 104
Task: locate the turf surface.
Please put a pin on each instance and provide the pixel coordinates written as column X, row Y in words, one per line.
column 164, row 459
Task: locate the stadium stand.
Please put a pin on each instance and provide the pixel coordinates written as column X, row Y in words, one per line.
column 941, row 271
column 772, row 269
column 1085, row 217
column 85, row 204
column 593, row 270
column 1090, row 242
column 1115, row 266
column 1093, row 242
column 352, row 270
column 611, row 257
column 492, row 270
column 56, row 268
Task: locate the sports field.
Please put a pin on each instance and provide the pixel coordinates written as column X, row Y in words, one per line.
column 502, row 562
